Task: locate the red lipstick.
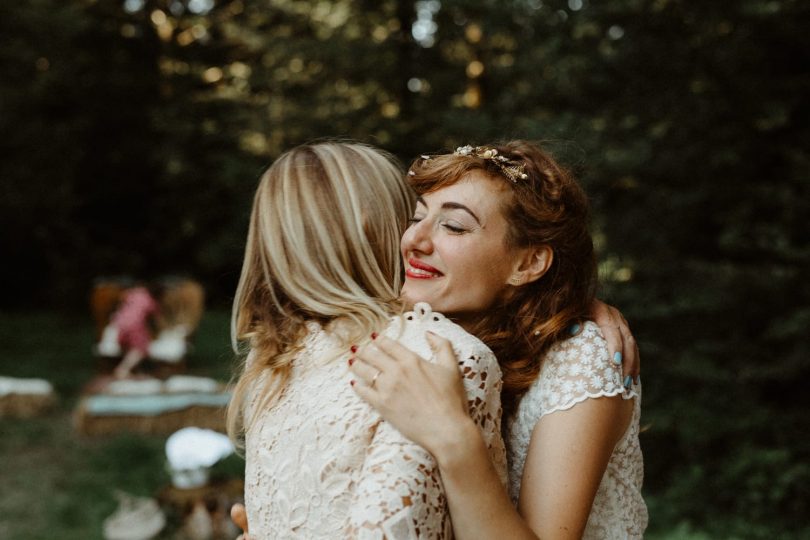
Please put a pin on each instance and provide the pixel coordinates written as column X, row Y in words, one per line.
column 427, row 271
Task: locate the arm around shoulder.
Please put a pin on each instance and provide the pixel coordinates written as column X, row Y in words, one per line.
column 471, row 454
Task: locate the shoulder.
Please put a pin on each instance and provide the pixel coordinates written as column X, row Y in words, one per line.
column 409, row 329
column 585, row 350
column 574, row 370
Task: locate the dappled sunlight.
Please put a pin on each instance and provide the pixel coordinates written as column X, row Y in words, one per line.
column 136, row 132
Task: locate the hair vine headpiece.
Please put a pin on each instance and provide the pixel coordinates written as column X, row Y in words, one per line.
column 512, row 169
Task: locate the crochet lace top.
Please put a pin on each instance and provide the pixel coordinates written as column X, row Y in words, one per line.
column 321, row 463
column 574, row 370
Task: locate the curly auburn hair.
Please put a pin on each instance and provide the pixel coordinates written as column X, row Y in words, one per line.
column 547, row 208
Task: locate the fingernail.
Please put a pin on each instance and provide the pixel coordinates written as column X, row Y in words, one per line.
column 353, row 348
column 374, row 335
column 574, row 330
column 351, row 382
column 617, row 358
column 628, row 381
column 351, row 361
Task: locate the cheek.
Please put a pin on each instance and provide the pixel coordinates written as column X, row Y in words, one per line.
column 490, row 268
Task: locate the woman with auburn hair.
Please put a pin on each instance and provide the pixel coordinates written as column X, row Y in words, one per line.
column 322, row 271
column 499, row 242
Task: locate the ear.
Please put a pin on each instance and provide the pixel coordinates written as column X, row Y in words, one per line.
column 531, row 264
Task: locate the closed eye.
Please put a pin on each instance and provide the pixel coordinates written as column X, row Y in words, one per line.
column 453, row 229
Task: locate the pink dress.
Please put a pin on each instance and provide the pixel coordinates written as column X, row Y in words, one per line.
column 132, row 318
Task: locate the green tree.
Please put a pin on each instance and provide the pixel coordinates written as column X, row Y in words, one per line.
column 135, row 132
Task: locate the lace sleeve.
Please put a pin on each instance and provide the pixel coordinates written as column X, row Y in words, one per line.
column 400, row 495
column 480, row 373
column 574, row 370
column 482, row 383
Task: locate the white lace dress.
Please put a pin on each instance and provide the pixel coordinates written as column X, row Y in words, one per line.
column 321, row 463
column 574, row 370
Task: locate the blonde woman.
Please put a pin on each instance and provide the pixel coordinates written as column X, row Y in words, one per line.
column 322, row 272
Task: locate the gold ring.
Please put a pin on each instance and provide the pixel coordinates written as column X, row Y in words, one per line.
column 374, row 379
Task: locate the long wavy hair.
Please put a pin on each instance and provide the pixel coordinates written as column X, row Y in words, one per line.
column 547, row 208
column 322, row 246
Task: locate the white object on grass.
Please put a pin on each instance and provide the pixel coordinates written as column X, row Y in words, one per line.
column 191, row 451
column 13, row 385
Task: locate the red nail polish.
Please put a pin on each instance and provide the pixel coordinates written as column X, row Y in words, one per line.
column 351, row 361
column 374, row 335
column 354, row 348
column 352, row 382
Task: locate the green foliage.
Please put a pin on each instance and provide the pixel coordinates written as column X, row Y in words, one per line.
column 134, row 140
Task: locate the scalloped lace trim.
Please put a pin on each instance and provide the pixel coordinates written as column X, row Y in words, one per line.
column 632, row 394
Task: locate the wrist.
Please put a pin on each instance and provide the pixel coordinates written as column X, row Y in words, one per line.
column 456, row 440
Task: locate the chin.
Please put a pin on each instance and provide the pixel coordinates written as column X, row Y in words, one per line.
column 409, row 297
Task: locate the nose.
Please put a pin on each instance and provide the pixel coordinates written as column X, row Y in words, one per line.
column 417, row 238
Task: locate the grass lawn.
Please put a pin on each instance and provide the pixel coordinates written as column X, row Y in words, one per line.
column 55, row 483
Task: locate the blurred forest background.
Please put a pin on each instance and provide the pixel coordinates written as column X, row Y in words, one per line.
column 134, row 133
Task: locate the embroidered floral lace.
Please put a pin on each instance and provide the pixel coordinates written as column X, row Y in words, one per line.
column 575, row 370
column 321, row 463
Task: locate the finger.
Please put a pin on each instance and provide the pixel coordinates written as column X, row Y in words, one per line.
column 615, row 344
column 632, row 351
column 630, row 365
column 443, row 349
column 239, row 516
column 363, row 371
column 633, row 362
column 375, row 355
column 395, row 351
column 603, row 315
column 367, row 393
column 628, row 349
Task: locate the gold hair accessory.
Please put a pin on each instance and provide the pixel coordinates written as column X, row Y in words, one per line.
column 513, row 170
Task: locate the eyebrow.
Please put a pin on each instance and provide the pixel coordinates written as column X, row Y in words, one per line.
column 452, row 206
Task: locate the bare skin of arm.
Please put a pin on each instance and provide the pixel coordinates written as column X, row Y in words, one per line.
column 567, row 457
column 426, row 403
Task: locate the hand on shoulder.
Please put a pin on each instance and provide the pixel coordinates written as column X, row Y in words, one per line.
column 425, row 401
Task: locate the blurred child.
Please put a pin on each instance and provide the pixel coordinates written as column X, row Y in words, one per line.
column 138, row 310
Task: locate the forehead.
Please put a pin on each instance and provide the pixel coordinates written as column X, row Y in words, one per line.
column 476, row 188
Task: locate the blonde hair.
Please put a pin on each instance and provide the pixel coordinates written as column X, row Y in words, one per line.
column 322, row 246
